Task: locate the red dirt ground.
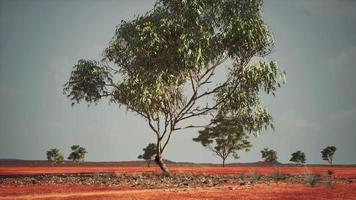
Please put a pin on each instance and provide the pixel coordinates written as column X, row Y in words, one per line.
column 339, row 171
column 259, row 191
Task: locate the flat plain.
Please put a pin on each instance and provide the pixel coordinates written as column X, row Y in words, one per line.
column 110, row 181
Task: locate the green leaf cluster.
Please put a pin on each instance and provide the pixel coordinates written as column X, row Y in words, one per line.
column 78, row 154
column 55, row 156
column 224, row 138
column 328, row 153
column 298, row 157
column 148, row 152
column 269, row 155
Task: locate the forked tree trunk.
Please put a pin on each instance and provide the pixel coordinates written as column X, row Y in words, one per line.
column 159, row 160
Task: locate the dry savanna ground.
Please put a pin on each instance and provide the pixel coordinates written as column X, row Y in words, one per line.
column 189, row 182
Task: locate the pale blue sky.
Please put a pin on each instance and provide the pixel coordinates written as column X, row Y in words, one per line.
column 41, row 40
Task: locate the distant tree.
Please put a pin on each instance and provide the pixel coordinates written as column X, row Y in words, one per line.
column 269, row 155
column 55, row 156
column 148, row 153
column 78, row 153
column 162, row 65
column 328, row 153
column 224, row 138
column 298, row 157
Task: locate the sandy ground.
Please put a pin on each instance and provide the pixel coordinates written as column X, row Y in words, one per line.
column 259, row 191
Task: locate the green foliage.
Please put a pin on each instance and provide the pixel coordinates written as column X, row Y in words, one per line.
column 298, row 157
column 328, row 153
column 78, row 153
column 162, row 66
column 269, row 155
column 224, row 138
column 313, row 180
column 148, row 153
column 55, row 156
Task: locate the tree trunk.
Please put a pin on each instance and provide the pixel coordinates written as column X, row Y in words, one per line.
column 159, row 160
column 223, row 163
column 148, row 163
column 161, row 164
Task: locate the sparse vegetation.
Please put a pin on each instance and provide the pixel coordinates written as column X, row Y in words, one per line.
column 55, row 156
column 78, row 154
column 224, row 138
column 328, row 154
column 269, row 155
column 148, row 153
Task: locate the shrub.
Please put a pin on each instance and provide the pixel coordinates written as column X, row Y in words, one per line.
column 278, row 176
column 313, row 180
column 330, row 172
column 255, row 176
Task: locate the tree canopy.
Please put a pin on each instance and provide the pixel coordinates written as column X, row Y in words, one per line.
column 162, row 65
column 224, row 138
column 269, row 155
column 148, row 153
column 328, row 154
column 298, row 157
column 55, row 156
column 78, row 154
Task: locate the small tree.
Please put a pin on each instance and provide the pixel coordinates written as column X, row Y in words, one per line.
column 78, row 153
column 224, row 138
column 269, row 155
column 298, row 157
column 148, row 153
column 328, row 153
column 55, row 156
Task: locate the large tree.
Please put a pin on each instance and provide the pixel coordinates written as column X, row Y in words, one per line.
column 224, row 138
column 162, row 65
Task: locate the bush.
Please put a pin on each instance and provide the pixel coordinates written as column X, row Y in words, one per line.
column 255, row 176
column 330, row 172
column 279, row 176
column 242, row 176
column 313, row 180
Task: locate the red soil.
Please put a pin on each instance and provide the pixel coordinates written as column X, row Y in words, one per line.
column 259, row 191
column 339, row 172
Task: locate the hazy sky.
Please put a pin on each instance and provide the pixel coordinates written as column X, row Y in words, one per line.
column 41, row 40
